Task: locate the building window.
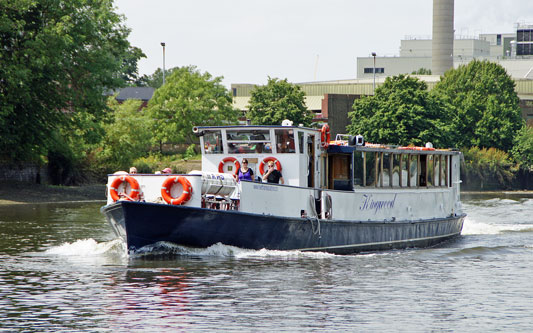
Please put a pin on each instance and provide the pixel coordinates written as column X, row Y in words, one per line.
column 379, row 70
column 234, row 90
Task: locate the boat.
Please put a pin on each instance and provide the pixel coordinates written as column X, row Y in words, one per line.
column 339, row 196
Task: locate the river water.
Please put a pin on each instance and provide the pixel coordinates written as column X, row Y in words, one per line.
column 61, row 269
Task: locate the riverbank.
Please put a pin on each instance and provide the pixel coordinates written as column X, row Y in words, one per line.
column 24, row 193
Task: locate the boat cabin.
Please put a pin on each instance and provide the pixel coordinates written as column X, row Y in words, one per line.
column 307, row 158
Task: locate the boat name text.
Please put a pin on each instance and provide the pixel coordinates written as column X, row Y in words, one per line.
column 376, row 205
column 265, row 188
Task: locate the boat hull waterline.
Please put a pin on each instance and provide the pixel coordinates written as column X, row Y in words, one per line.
column 141, row 224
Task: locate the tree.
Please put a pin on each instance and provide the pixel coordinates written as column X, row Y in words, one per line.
column 58, row 58
column 189, row 98
column 482, row 104
column 128, row 135
column 522, row 151
column 277, row 101
column 156, row 79
column 401, row 112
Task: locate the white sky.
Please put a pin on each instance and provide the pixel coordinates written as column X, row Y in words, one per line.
column 248, row 40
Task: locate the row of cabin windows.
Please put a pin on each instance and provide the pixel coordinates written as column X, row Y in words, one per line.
column 383, row 169
column 252, row 141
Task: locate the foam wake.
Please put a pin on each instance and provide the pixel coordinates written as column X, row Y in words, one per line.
column 472, row 227
column 89, row 247
column 221, row 250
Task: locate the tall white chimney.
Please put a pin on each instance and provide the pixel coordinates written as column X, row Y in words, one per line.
column 442, row 41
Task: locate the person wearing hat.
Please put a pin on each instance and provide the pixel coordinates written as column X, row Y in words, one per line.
column 273, row 175
column 133, row 170
column 167, row 170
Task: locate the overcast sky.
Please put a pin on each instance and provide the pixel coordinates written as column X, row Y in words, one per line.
column 245, row 41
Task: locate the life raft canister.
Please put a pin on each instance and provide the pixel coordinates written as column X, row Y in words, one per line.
column 229, row 159
column 167, row 187
column 325, row 136
column 265, row 161
column 132, row 195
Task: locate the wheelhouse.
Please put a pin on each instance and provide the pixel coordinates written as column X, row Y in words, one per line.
column 296, row 151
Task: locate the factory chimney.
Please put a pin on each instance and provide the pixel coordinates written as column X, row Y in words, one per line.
column 442, row 40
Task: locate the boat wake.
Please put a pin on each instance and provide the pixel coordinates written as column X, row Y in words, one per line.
column 472, row 227
column 226, row 251
column 89, row 247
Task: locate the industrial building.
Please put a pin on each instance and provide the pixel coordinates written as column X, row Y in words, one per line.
column 332, row 100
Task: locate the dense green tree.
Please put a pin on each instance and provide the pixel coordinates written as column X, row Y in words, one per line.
column 522, row 151
column 189, row 98
column 277, row 101
column 57, row 59
column 482, row 104
column 401, row 112
column 127, row 135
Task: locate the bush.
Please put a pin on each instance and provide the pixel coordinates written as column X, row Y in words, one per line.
column 487, row 169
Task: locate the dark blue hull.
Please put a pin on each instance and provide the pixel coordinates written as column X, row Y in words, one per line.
column 141, row 224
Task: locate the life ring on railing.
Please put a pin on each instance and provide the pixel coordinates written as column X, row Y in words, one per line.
column 167, row 187
column 229, row 159
column 265, row 161
column 325, row 136
column 131, row 196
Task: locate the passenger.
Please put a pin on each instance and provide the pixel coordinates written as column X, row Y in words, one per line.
column 133, row 170
column 167, row 171
column 273, row 175
column 245, row 173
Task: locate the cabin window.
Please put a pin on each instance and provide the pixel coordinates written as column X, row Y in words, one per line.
column 430, row 167
column 285, row 141
column 248, row 141
column 413, row 171
column 396, row 170
column 213, row 142
column 301, row 142
column 371, row 169
column 358, row 168
column 386, row 170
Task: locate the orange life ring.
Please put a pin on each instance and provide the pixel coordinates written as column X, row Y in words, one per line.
column 265, row 161
column 325, row 136
column 134, row 193
column 229, row 159
column 167, row 186
column 416, row 148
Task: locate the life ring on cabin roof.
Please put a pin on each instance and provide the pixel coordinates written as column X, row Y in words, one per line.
column 325, row 136
column 229, row 159
column 265, row 161
column 167, row 187
column 416, row 148
column 131, row 196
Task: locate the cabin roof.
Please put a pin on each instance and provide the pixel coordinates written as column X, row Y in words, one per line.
column 332, row 149
column 256, row 126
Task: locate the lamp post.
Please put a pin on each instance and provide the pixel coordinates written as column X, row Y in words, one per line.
column 163, row 45
column 374, row 73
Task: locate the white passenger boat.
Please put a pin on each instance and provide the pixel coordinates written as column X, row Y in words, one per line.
column 342, row 196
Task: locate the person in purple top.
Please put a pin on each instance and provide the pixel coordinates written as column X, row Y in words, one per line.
column 245, row 173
